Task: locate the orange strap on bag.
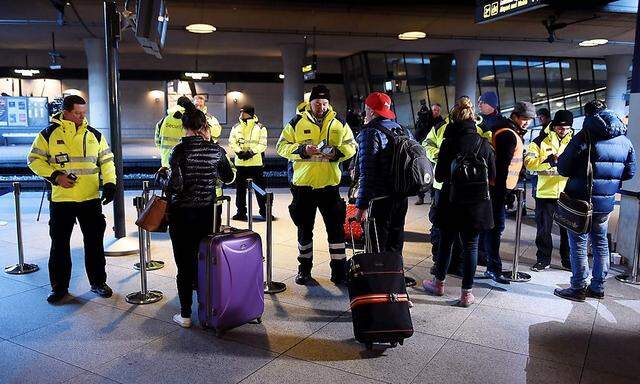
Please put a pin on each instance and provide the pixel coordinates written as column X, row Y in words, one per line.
column 379, row 299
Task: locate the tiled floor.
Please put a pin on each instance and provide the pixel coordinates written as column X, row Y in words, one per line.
column 514, row 334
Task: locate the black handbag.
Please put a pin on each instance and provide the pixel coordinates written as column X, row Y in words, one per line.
column 573, row 214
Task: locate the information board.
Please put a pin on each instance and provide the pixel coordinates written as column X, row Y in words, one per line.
column 491, row 10
column 20, row 112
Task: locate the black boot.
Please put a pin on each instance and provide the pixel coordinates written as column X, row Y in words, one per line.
column 338, row 271
column 304, row 271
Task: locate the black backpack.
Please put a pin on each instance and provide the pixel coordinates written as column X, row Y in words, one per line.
column 469, row 177
column 411, row 170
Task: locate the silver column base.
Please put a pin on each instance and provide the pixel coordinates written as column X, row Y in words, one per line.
column 140, row 298
column 274, row 287
column 16, row 269
column 520, row 277
column 628, row 279
column 151, row 265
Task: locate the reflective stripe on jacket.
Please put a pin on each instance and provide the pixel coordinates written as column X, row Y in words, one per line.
column 248, row 136
column 550, row 183
column 304, row 129
column 64, row 148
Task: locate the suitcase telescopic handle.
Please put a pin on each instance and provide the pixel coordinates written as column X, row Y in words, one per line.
column 371, row 222
column 221, row 200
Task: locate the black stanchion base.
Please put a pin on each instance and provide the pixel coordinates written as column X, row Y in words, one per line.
column 151, row 265
column 627, row 279
column 521, row 277
column 409, row 281
column 139, row 298
column 274, row 287
column 16, row 269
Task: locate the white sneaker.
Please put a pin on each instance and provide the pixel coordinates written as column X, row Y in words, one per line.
column 184, row 322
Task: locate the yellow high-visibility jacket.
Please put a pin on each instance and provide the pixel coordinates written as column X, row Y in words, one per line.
column 316, row 171
column 550, row 183
column 436, row 136
column 248, row 136
column 64, row 148
column 169, row 131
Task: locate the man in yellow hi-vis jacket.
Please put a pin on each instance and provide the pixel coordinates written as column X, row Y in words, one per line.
column 315, row 141
column 72, row 156
column 248, row 141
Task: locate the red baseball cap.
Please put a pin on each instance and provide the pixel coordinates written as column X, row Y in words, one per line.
column 381, row 104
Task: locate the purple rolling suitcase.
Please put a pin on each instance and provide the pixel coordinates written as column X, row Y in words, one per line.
column 230, row 277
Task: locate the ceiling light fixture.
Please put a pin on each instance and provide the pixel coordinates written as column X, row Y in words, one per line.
column 200, row 28
column 27, row 72
column 72, row 91
column 196, row 75
column 568, row 78
column 281, row 76
column 593, row 42
column 412, row 35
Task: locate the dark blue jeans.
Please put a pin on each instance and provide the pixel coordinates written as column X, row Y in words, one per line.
column 469, row 255
column 491, row 238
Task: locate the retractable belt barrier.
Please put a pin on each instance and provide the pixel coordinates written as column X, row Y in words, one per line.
column 633, row 277
column 270, row 286
column 144, row 296
column 21, row 268
column 514, row 275
column 152, row 265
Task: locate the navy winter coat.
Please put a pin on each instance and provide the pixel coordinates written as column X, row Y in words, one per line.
column 613, row 160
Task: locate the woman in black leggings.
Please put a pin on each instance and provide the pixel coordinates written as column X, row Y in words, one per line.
column 197, row 165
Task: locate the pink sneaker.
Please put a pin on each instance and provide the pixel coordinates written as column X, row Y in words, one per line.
column 466, row 298
column 435, row 286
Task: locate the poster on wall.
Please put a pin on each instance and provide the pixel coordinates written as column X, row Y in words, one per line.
column 38, row 114
column 17, row 111
column 4, row 118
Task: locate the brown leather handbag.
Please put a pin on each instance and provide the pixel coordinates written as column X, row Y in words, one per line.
column 154, row 216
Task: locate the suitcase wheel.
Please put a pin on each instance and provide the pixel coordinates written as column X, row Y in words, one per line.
column 401, row 342
column 369, row 346
column 394, row 344
column 259, row 320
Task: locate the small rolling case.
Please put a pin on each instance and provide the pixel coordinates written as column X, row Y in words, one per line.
column 379, row 300
column 230, row 277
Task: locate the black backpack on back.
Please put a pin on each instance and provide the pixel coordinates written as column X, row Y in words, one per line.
column 469, row 177
column 411, row 170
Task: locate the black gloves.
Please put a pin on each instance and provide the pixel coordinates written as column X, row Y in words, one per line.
column 245, row 155
column 108, row 193
column 551, row 159
column 162, row 175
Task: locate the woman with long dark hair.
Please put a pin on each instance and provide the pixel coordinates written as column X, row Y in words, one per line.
column 197, row 165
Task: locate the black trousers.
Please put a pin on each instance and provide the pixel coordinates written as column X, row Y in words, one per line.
column 435, row 235
column 242, row 174
column 389, row 215
column 303, row 213
column 63, row 217
column 544, row 224
column 187, row 227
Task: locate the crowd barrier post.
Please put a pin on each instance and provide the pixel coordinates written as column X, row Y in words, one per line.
column 270, row 286
column 152, row 265
column 144, row 296
column 514, row 275
column 21, row 268
column 632, row 277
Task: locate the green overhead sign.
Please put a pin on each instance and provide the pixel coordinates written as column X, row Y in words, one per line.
column 491, row 10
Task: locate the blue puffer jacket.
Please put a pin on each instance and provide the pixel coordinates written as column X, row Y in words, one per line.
column 373, row 167
column 613, row 159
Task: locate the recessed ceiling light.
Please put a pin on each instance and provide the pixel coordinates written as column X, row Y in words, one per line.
column 72, row 91
column 196, row 75
column 541, row 94
column 593, row 42
column 413, row 35
column 281, row 76
column 200, row 28
column 568, row 78
column 488, row 78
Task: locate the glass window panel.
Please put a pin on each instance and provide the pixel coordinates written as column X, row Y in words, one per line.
column 571, row 86
column 415, row 72
column 451, row 97
column 486, row 76
column 438, row 69
column 521, row 79
column 505, row 82
column 554, row 84
column 538, row 84
column 600, row 77
column 585, row 74
column 437, row 95
column 404, row 112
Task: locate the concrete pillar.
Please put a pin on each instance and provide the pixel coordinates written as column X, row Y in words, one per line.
column 293, row 89
column 98, row 96
column 629, row 203
column 467, row 73
column 617, row 74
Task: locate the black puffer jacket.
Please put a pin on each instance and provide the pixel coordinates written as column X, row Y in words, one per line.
column 196, row 168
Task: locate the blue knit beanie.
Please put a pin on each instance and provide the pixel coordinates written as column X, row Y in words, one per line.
column 490, row 98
